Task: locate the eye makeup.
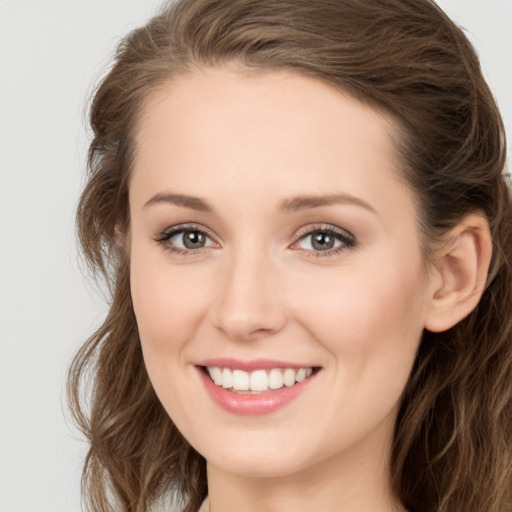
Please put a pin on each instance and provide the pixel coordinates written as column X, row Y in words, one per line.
column 328, row 240
column 320, row 240
column 193, row 235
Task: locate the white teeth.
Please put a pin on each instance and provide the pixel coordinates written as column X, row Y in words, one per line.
column 240, row 380
column 258, row 380
column 216, row 375
column 227, row 378
column 275, row 379
column 289, row 377
column 301, row 375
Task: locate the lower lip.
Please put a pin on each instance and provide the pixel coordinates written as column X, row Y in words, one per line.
column 252, row 405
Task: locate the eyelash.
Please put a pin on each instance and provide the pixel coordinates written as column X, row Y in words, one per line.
column 347, row 240
column 163, row 239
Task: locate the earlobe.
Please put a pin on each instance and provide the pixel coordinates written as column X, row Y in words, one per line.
column 461, row 268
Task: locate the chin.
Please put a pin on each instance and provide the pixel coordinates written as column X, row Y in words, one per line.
column 264, row 456
column 271, row 465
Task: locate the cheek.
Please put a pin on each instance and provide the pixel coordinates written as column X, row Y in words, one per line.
column 165, row 304
column 370, row 324
column 369, row 318
column 154, row 304
column 166, row 298
column 167, row 308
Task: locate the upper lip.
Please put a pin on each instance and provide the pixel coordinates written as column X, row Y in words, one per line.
column 254, row 364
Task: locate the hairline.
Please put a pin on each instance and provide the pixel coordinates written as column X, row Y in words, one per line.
column 396, row 128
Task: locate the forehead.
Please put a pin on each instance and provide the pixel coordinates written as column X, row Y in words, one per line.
column 219, row 98
column 278, row 133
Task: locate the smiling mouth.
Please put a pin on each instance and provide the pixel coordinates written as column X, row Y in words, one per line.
column 257, row 381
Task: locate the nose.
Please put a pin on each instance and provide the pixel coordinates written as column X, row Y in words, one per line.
column 250, row 303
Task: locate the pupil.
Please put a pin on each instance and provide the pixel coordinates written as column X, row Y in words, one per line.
column 323, row 241
column 193, row 240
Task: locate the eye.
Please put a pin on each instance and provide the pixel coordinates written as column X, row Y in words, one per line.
column 189, row 239
column 184, row 239
column 319, row 241
column 325, row 241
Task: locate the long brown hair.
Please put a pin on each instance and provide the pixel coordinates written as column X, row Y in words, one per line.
column 452, row 448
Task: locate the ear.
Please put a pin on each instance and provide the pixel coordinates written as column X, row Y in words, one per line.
column 460, row 273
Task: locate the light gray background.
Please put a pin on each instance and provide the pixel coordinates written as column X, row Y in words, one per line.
column 51, row 54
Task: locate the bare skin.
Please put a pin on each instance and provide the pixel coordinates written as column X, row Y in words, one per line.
column 227, row 262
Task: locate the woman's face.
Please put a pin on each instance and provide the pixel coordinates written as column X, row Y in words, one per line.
column 271, row 232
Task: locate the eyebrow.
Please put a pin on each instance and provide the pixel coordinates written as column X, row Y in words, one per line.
column 194, row 203
column 307, row 202
column 294, row 204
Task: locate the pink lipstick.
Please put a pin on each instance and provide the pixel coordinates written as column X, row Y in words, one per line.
column 254, row 387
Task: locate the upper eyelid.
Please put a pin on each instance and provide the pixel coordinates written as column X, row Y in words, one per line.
column 300, row 232
column 165, row 236
column 187, row 227
column 347, row 239
column 298, row 235
column 324, row 227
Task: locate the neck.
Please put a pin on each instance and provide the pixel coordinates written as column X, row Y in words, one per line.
column 347, row 482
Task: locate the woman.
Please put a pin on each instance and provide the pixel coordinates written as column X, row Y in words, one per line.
column 302, row 213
